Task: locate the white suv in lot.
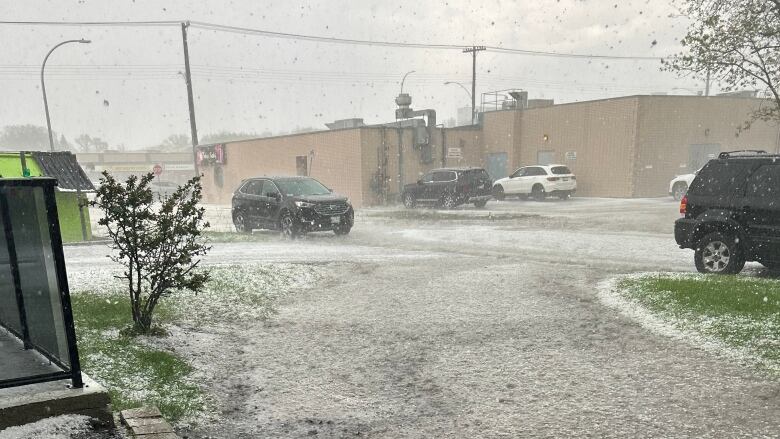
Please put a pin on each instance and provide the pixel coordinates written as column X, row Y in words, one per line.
column 538, row 182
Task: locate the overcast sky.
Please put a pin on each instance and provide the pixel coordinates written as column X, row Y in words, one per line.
column 126, row 86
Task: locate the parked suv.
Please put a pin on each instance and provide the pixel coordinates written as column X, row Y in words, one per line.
column 537, row 182
column 732, row 213
column 448, row 188
column 292, row 205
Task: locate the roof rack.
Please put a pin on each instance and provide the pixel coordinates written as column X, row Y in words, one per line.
column 743, row 152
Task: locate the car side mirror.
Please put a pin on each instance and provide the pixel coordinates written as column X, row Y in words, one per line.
column 419, row 182
column 274, row 195
column 330, row 190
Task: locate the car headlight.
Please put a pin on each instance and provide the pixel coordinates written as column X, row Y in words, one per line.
column 304, row 204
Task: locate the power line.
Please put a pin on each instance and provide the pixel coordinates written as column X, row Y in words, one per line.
column 334, row 40
column 93, row 23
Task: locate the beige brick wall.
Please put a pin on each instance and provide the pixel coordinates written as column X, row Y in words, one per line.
column 668, row 125
column 499, row 134
column 337, row 162
column 624, row 147
column 602, row 133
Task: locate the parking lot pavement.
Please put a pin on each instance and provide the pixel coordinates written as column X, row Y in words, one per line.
column 474, row 323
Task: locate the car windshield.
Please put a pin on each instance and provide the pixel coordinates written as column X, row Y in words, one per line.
column 302, row 186
column 560, row 170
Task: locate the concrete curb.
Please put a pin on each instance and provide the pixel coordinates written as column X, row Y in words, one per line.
column 147, row 423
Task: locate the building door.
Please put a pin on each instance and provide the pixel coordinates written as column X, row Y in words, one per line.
column 699, row 155
column 302, row 165
column 496, row 165
column 545, row 157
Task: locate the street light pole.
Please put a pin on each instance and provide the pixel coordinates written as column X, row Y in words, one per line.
column 43, row 87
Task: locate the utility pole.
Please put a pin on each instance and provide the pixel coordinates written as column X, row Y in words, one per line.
column 190, row 101
column 473, row 50
column 707, row 86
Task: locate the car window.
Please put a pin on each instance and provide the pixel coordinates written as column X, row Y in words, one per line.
column 427, row 178
column 519, row 173
column 534, row 171
column 474, row 174
column 270, row 189
column 560, row 170
column 251, row 187
column 442, row 176
column 718, row 178
column 765, row 182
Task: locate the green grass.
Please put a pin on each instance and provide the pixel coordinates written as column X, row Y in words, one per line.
column 133, row 373
column 742, row 312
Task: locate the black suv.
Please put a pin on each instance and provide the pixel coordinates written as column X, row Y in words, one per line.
column 449, row 187
column 732, row 213
column 292, row 205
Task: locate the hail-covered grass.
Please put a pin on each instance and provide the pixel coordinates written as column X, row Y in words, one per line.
column 134, row 374
column 740, row 313
column 137, row 372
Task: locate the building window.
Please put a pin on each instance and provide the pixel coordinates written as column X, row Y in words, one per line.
column 302, row 165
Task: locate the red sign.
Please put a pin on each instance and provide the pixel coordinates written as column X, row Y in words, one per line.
column 211, row 154
column 157, row 170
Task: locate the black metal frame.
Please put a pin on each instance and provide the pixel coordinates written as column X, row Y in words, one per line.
column 74, row 371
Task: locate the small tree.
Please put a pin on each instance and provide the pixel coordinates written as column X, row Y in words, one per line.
column 157, row 241
column 738, row 43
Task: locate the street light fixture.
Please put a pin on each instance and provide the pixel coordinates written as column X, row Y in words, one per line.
column 461, row 86
column 43, row 86
column 467, row 92
column 402, row 81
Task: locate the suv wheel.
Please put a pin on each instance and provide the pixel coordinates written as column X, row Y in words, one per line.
column 287, row 226
column 498, row 192
column 448, row 201
column 409, row 201
column 538, row 192
column 718, row 253
column 679, row 190
column 240, row 221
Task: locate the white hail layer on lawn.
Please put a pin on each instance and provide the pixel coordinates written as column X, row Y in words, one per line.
column 58, row 427
column 678, row 329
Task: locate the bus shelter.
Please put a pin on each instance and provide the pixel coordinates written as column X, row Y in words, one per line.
column 37, row 334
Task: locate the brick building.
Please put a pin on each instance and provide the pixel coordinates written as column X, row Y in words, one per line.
column 623, row 147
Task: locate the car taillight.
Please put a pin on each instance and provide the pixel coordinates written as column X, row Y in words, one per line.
column 684, row 205
column 553, row 178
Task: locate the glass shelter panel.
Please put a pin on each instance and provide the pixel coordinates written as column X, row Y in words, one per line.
column 37, row 338
column 37, row 271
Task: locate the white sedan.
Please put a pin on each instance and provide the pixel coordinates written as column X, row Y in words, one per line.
column 538, row 182
column 678, row 187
